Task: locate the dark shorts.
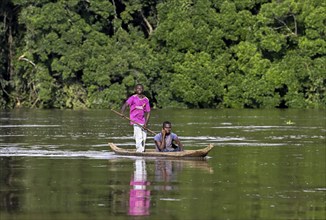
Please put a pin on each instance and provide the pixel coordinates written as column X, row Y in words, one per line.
column 173, row 150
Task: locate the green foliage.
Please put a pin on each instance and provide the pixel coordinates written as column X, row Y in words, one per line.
column 44, row 85
column 107, row 98
column 73, row 96
column 188, row 54
column 248, row 85
column 197, row 81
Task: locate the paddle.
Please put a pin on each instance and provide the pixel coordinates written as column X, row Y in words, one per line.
column 122, row 115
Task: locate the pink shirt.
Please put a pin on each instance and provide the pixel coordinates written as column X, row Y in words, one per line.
column 138, row 107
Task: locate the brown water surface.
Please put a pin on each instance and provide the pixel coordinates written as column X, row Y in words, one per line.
column 266, row 164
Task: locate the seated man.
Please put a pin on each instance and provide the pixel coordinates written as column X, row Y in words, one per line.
column 165, row 141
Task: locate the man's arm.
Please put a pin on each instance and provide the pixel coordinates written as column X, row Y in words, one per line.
column 161, row 144
column 123, row 108
column 147, row 112
column 179, row 143
column 147, row 116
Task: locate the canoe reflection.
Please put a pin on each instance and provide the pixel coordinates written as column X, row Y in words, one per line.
column 139, row 195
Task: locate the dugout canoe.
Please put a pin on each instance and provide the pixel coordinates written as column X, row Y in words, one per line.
column 200, row 153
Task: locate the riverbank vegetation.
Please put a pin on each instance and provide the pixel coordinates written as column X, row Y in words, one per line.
column 188, row 53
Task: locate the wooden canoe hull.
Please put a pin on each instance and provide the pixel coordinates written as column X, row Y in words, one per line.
column 200, row 153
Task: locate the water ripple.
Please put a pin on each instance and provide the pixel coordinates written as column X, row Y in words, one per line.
column 28, row 126
column 21, row 152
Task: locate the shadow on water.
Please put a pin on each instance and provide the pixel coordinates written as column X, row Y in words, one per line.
column 9, row 193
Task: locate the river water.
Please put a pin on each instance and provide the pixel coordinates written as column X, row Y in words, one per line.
column 266, row 164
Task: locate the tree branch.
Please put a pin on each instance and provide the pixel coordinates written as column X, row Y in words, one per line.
column 22, row 57
column 287, row 27
column 148, row 25
column 295, row 24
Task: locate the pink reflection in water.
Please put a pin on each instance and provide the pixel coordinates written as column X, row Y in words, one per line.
column 139, row 195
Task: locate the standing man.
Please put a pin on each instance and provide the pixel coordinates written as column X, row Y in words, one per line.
column 167, row 141
column 139, row 115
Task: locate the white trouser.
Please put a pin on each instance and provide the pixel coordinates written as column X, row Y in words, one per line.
column 140, row 136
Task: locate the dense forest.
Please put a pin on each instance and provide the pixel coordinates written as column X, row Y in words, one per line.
column 187, row 53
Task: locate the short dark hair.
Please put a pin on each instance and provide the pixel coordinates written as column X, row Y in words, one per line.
column 166, row 123
column 139, row 85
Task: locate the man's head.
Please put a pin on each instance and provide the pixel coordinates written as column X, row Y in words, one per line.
column 139, row 89
column 167, row 127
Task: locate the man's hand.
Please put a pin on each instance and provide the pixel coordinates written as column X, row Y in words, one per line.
column 163, row 132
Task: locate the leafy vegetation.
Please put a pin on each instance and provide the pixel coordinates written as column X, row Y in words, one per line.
column 188, row 54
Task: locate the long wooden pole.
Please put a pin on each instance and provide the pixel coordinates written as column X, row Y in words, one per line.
column 122, row 115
